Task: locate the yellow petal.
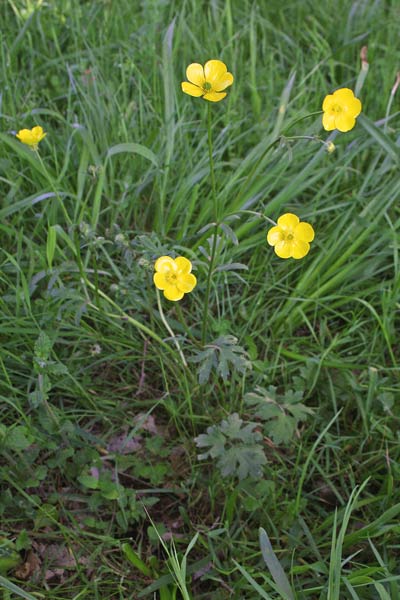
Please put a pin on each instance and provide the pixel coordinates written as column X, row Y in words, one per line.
column 274, row 236
column 225, row 81
column 288, row 221
column 299, row 249
column 214, row 96
column 304, row 232
column 195, row 74
column 165, row 264
column 328, row 102
column 171, row 292
column 344, row 122
column 159, row 281
column 37, row 132
column 328, row 121
column 343, row 95
column 21, row 134
column 214, row 70
column 283, row 249
column 191, row 89
column 184, row 265
column 26, row 137
column 355, row 107
column 186, row 282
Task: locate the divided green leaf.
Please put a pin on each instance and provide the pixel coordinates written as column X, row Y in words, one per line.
column 224, row 356
column 235, row 446
column 281, row 413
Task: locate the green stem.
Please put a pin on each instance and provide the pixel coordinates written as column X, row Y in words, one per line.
column 164, row 320
column 208, row 286
column 215, row 235
column 255, row 213
column 50, row 180
column 293, row 123
column 216, row 206
column 211, row 161
column 268, row 148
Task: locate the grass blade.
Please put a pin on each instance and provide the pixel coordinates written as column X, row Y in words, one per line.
column 253, row 582
column 274, row 566
column 132, row 148
column 15, row 589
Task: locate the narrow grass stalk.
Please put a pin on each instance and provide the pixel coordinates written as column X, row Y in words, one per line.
column 390, row 102
column 127, row 318
column 336, row 559
column 53, row 187
column 164, row 320
column 264, row 153
column 216, row 227
column 177, row 568
column 308, row 460
column 262, row 593
column 99, row 293
column 363, row 71
column 184, row 325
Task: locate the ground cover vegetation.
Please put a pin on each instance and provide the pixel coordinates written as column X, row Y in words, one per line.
column 199, row 295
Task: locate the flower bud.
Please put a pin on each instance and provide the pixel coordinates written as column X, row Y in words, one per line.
column 330, row 147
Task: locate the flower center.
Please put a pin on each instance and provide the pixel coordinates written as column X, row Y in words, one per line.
column 171, row 278
column 207, row 86
column 336, row 108
column 290, row 237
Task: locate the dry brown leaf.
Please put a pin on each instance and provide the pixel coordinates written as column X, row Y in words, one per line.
column 30, row 567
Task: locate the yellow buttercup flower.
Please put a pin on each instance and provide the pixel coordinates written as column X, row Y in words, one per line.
column 208, row 81
column 31, row 137
column 340, row 110
column 290, row 237
column 174, row 277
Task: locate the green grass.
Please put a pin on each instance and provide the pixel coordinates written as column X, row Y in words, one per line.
column 98, row 414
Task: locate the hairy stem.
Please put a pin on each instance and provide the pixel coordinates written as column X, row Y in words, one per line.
column 216, row 226
column 173, row 336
